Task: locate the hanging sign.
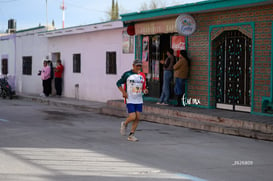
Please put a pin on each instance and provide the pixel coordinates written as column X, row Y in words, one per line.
column 145, row 54
column 185, row 24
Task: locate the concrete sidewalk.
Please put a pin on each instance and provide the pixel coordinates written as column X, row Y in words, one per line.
column 219, row 121
column 92, row 106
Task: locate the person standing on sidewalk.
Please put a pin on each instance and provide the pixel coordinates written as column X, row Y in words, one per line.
column 181, row 71
column 45, row 76
column 167, row 77
column 49, row 63
column 58, row 78
column 134, row 83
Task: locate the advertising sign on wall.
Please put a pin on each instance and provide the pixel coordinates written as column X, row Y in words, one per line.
column 185, row 25
column 178, row 43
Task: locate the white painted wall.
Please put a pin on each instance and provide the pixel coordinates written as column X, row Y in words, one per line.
column 29, row 44
column 94, row 83
column 7, row 50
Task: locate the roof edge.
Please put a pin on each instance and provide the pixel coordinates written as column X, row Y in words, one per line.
column 202, row 6
column 81, row 26
column 30, row 29
column 83, row 29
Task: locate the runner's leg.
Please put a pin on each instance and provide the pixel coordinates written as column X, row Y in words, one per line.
column 135, row 123
column 130, row 118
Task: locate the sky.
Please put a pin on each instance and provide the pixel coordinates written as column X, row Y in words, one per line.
column 32, row 13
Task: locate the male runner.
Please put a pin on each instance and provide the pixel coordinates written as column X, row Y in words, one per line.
column 134, row 81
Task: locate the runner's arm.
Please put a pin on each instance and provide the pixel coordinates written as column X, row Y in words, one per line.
column 121, row 81
column 124, row 93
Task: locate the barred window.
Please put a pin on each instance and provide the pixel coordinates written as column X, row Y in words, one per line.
column 27, row 65
column 76, row 63
column 111, row 63
column 5, row 66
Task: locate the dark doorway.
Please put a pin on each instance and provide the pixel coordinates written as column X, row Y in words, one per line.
column 5, row 66
column 55, row 56
column 159, row 44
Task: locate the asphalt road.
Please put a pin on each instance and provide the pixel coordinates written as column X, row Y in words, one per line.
column 47, row 143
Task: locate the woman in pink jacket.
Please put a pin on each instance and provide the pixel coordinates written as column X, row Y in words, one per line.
column 45, row 76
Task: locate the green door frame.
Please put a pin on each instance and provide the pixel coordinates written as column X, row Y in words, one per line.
column 269, row 99
column 252, row 24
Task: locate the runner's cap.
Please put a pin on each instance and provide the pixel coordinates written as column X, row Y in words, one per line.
column 137, row 62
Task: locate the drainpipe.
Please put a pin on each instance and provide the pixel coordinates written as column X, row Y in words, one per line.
column 77, row 96
column 15, row 61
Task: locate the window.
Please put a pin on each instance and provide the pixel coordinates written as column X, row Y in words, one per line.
column 27, row 65
column 5, row 66
column 111, row 65
column 76, row 63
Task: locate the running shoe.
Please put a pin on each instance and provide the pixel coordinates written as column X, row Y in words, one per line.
column 123, row 128
column 132, row 138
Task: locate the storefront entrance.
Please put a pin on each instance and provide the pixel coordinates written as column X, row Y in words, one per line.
column 155, row 48
column 233, row 71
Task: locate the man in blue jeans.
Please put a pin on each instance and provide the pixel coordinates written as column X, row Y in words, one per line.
column 167, row 77
column 134, row 81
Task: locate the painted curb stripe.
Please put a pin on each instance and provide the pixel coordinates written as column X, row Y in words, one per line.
column 190, row 177
column 3, row 120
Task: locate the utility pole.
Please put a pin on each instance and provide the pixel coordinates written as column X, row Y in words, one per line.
column 63, row 8
column 46, row 16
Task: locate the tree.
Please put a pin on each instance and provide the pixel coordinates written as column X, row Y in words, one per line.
column 117, row 11
column 154, row 4
column 114, row 12
column 144, row 6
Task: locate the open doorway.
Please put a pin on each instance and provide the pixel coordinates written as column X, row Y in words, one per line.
column 158, row 46
column 55, row 56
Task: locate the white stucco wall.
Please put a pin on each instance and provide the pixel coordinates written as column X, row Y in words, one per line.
column 29, row 44
column 94, row 83
column 92, row 43
column 7, row 50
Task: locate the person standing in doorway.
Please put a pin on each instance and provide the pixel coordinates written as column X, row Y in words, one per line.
column 58, row 77
column 134, row 83
column 181, row 72
column 167, row 77
column 49, row 63
column 45, row 76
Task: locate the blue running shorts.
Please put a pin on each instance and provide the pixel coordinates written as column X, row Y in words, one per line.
column 134, row 108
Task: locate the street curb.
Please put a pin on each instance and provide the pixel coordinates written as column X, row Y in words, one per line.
column 198, row 121
column 257, row 130
column 63, row 103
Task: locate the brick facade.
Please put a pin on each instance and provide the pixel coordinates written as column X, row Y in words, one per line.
column 198, row 47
